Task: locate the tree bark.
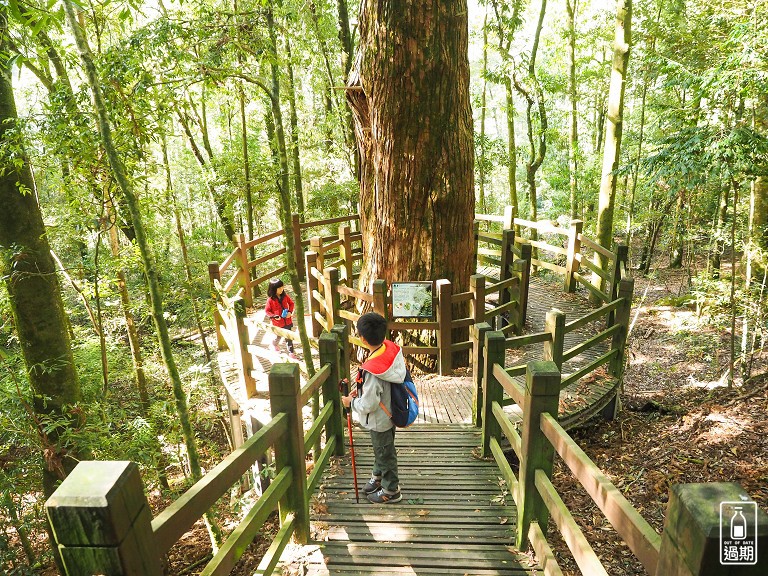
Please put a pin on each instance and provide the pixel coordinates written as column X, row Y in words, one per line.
column 298, row 186
column 483, row 98
column 613, row 132
column 29, row 271
column 409, row 93
column 573, row 148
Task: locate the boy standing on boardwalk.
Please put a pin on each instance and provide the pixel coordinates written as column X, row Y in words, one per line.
column 371, row 402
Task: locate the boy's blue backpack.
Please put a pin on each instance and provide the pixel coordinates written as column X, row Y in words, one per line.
column 405, row 402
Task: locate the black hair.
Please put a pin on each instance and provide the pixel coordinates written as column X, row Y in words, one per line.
column 372, row 327
column 274, row 284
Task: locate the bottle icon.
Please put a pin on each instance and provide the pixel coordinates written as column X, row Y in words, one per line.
column 738, row 525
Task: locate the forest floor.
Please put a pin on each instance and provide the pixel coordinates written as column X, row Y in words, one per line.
column 679, row 423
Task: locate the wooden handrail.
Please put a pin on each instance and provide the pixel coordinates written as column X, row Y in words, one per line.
column 587, row 344
column 576, row 376
column 229, row 552
column 354, row 293
column 228, row 261
column 177, row 518
column 544, row 226
column 314, row 384
column 595, row 247
column 336, row 220
column 314, row 432
column 641, row 538
column 520, row 341
column 261, row 239
column 604, row 310
column 511, row 386
column 583, row 553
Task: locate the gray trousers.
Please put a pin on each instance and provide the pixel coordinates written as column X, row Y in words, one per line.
column 385, row 459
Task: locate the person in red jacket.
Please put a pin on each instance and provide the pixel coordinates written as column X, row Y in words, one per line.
column 279, row 309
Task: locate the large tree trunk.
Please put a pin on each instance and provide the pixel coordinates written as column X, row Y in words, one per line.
column 30, row 276
column 612, row 148
column 409, row 93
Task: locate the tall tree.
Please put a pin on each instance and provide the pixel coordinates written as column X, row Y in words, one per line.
column 573, row 141
column 612, row 147
column 30, row 277
column 409, row 93
column 537, row 142
column 147, row 258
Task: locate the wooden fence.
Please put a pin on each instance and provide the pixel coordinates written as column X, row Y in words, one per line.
column 101, row 519
column 689, row 544
column 243, row 274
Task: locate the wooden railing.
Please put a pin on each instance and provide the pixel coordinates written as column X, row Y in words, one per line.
column 102, row 522
column 241, row 273
column 689, row 544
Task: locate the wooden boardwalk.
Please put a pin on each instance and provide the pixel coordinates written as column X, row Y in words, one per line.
column 456, row 517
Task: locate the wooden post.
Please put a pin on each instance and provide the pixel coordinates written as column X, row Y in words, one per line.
column 284, row 392
column 622, row 255
column 101, row 521
column 494, row 349
column 312, row 285
column 619, row 341
column 332, row 297
column 380, row 298
column 478, row 365
column 329, row 354
column 298, row 249
column 509, row 217
column 573, row 259
column 696, row 538
column 214, row 273
column 505, row 271
column 235, row 421
column 475, row 245
column 245, row 272
column 525, row 281
column 242, row 355
column 477, row 304
column 342, row 331
column 345, row 252
column 316, row 246
column 554, row 323
column 542, row 394
column 444, row 330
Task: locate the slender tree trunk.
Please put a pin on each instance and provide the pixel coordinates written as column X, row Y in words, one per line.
column 416, row 186
column 284, row 193
column 298, row 187
column 345, row 37
column 483, row 99
column 150, row 268
column 246, row 164
column 219, row 202
column 612, row 148
column 734, row 304
column 676, row 252
column 573, row 148
column 29, row 271
column 718, row 243
column 511, row 144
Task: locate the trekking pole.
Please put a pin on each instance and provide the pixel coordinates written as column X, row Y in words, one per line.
column 344, row 386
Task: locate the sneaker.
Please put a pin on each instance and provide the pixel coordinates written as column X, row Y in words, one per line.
column 292, row 356
column 373, row 485
column 382, row 497
column 274, row 347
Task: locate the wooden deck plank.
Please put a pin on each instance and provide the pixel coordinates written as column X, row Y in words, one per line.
column 452, row 520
